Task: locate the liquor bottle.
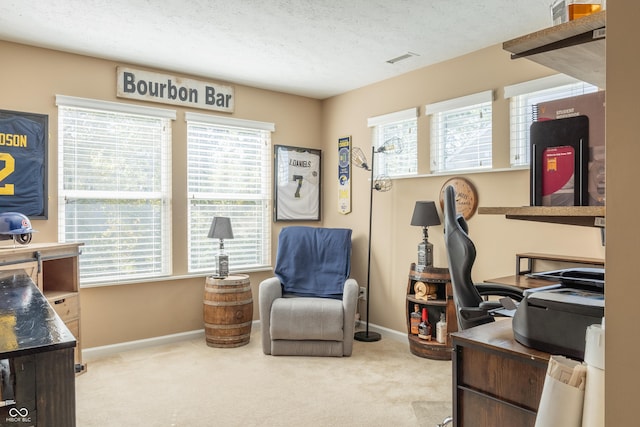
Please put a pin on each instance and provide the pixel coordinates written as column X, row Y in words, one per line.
column 424, row 329
column 441, row 329
column 414, row 320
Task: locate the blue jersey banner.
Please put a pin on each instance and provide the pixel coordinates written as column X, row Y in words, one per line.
column 23, row 163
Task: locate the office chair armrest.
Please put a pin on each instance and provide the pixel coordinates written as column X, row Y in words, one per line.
column 476, row 314
column 496, row 289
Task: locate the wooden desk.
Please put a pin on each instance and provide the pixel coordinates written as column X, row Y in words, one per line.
column 520, row 279
column 36, row 355
column 523, row 282
column 496, row 381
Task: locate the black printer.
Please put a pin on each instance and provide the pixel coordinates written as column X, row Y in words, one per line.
column 555, row 318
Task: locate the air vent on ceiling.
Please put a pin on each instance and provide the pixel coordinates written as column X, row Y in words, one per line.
column 402, row 57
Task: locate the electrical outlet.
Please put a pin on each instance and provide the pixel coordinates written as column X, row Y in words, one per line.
column 362, row 294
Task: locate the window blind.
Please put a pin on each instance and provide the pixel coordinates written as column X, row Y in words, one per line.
column 114, row 182
column 461, row 133
column 229, row 174
column 400, row 129
column 523, row 98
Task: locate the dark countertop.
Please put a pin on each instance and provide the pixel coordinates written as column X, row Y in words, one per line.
column 28, row 324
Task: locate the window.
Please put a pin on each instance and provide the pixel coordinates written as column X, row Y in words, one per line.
column 399, row 129
column 229, row 174
column 461, row 133
column 114, row 188
column 524, row 97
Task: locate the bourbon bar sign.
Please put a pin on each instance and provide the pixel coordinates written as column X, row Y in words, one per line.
column 167, row 89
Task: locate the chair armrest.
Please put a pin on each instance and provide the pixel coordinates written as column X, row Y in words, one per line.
column 497, row 289
column 349, row 304
column 270, row 289
column 477, row 315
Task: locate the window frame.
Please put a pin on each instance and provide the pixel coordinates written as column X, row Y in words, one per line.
column 161, row 193
column 520, row 95
column 461, row 105
column 396, row 164
column 199, row 246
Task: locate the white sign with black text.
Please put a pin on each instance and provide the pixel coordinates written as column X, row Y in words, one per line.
column 167, row 89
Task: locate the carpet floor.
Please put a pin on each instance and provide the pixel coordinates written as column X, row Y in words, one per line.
column 190, row 384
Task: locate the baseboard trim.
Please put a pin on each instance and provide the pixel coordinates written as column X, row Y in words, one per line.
column 94, row 353
column 385, row 332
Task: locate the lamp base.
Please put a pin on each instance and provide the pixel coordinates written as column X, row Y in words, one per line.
column 367, row 336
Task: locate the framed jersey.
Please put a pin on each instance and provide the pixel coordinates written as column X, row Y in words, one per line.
column 23, row 163
column 297, row 183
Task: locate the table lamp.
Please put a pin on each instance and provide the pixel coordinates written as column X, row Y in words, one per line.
column 221, row 229
column 424, row 215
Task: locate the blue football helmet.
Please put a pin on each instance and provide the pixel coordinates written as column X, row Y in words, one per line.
column 15, row 226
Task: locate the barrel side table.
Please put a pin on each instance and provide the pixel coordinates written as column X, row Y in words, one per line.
column 228, row 311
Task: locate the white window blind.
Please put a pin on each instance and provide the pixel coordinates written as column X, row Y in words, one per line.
column 401, row 130
column 461, row 135
column 229, row 174
column 114, row 188
column 523, row 99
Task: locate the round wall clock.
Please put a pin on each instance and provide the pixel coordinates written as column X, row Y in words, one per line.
column 466, row 196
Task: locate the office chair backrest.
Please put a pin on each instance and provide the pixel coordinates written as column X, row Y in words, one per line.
column 461, row 253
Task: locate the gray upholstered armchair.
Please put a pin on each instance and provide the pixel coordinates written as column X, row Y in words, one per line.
column 309, row 308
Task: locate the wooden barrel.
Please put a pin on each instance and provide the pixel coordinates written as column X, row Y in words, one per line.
column 228, row 311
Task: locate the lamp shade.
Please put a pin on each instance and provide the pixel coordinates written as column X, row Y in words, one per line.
column 221, row 228
column 425, row 214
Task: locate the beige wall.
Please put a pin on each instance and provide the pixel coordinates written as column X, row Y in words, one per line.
column 394, row 240
column 623, row 232
column 32, row 77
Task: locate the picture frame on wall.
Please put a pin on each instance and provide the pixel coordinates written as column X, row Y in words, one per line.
column 297, row 183
column 23, row 163
column 559, row 156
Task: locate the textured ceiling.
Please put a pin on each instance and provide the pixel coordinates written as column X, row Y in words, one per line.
column 315, row 48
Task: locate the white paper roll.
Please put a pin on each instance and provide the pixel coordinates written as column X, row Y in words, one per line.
column 594, row 347
column 593, row 412
column 560, row 405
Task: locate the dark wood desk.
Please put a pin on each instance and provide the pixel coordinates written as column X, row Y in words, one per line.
column 36, row 357
column 497, row 382
column 523, row 282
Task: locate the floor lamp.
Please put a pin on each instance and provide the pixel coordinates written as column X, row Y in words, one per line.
column 379, row 184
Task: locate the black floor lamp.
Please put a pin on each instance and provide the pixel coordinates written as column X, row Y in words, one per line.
column 381, row 184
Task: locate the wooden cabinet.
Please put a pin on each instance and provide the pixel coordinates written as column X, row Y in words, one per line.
column 438, row 299
column 54, row 268
column 496, row 381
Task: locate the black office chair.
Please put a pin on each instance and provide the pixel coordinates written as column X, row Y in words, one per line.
column 472, row 306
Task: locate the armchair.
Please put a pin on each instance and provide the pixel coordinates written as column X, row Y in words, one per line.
column 472, row 308
column 308, row 308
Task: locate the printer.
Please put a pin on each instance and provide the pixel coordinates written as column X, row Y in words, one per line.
column 555, row 318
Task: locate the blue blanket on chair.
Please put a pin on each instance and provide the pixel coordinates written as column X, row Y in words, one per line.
column 313, row 261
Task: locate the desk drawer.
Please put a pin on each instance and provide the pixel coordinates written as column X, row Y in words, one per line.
column 516, row 380
column 482, row 411
column 65, row 304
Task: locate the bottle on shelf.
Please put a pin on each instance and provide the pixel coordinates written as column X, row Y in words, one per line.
column 414, row 320
column 424, row 330
column 441, row 329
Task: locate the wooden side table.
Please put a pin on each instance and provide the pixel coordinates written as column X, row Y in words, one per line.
column 439, row 300
column 228, row 311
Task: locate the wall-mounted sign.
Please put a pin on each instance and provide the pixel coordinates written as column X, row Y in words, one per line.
column 344, row 175
column 167, row 89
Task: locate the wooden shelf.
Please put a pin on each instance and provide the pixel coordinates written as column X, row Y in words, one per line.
column 576, row 48
column 571, row 215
